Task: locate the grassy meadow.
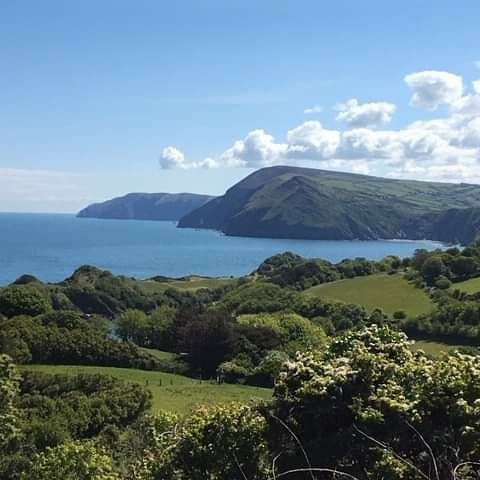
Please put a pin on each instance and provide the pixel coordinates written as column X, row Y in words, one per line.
column 388, row 292
column 170, row 392
column 468, row 286
column 190, row 283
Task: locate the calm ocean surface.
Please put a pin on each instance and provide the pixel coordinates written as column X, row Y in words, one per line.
column 51, row 247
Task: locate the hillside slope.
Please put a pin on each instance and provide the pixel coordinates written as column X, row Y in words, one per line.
column 292, row 202
column 146, row 206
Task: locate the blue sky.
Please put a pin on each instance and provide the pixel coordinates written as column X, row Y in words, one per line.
column 94, row 93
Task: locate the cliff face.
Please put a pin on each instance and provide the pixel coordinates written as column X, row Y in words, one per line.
column 146, row 206
column 290, row 202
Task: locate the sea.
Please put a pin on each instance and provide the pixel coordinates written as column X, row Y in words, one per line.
column 52, row 246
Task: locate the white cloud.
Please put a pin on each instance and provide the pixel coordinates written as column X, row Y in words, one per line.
column 311, row 141
column 257, row 149
column 171, row 157
column 432, row 88
column 314, row 109
column 445, row 148
column 370, row 114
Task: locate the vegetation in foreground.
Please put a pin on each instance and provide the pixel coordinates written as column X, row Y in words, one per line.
column 365, row 407
column 170, row 392
column 111, row 370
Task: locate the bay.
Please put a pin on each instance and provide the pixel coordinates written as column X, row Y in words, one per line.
column 52, row 246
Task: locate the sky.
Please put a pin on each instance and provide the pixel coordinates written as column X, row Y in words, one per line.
column 103, row 97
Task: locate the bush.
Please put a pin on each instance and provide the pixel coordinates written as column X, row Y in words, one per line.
column 72, row 461
column 369, row 384
column 215, row 443
column 23, row 300
column 443, row 283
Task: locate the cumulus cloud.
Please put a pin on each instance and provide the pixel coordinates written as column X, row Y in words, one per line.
column 446, row 148
column 311, row 141
column 432, row 88
column 257, row 149
column 171, row 157
column 370, row 114
column 314, row 109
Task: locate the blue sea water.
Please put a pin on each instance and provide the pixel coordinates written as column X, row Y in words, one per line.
column 51, row 247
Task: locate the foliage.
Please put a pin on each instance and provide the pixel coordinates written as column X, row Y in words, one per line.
column 452, row 318
column 209, row 341
column 293, row 331
column 170, row 392
column 453, row 264
column 72, row 461
column 66, row 338
column 22, row 300
column 8, row 391
column 369, row 385
column 216, row 443
column 258, row 297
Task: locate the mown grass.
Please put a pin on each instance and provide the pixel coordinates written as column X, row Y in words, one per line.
column 468, row 286
column 170, row 392
column 388, row 292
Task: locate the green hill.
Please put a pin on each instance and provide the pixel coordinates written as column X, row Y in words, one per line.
column 388, row 292
column 146, row 206
column 292, row 202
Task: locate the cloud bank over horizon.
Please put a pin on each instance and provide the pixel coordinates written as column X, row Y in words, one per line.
column 446, row 148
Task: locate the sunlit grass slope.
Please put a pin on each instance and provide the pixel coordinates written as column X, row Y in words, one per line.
column 468, row 286
column 174, row 393
column 388, row 292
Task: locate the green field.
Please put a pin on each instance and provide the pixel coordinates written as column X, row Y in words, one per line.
column 435, row 348
column 174, row 393
column 388, row 292
column 190, row 283
column 159, row 354
column 468, row 286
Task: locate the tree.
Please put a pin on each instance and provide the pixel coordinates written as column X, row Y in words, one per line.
column 209, row 341
column 23, row 300
column 463, row 266
column 160, row 329
column 132, row 326
column 432, row 269
column 293, row 331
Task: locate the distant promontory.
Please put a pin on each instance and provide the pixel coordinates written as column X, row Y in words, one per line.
column 146, row 206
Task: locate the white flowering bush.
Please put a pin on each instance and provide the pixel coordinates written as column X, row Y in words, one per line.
column 9, row 379
column 369, row 405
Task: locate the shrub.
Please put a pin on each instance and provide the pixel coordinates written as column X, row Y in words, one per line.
column 23, row 300
column 215, row 443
